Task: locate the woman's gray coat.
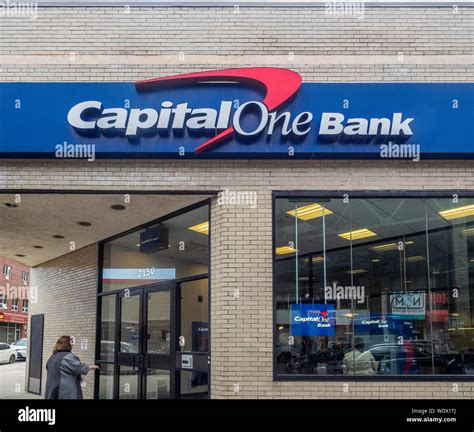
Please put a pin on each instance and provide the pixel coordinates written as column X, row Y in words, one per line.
column 64, row 376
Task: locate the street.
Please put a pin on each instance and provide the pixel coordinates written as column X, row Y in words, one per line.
column 12, row 381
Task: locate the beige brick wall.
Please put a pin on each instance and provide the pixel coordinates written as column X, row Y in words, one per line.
column 94, row 44
column 67, row 288
column 389, row 44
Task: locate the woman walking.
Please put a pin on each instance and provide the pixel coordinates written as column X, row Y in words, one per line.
column 64, row 372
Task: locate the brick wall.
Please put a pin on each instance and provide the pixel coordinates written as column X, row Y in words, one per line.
column 95, row 44
column 389, row 44
column 67, row 288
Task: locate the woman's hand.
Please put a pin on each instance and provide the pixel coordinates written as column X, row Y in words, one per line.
column 94, row 367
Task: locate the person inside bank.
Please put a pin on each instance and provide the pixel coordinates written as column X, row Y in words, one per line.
column 359, row 361
column 65, row 372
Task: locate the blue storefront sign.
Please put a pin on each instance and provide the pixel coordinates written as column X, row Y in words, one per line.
column 312, row 320
column 236, row 113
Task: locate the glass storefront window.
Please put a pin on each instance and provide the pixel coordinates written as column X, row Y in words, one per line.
column 174, row 248
column 374, row 286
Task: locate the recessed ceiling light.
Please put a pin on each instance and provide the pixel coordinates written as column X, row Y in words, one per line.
column 310, row 211
column 11, row 205
column 416, row 258
column 118, row 207
column 84, row 224
column 356, row 271
column 282, row 250
column 389, row 246
column 202, row 228
column 57, row 236
column 357, row 234
column 458, row 212
column 38, row 247
column 20, row 255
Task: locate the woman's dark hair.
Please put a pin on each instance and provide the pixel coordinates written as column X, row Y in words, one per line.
column 63, row 344
column 359, row 343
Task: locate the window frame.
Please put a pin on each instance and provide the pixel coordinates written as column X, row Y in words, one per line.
column 321, row 194
column 7, row 271
column 25, row 277
column 15, row 305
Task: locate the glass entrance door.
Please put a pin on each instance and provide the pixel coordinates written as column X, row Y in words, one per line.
column 163, row 341
column 145, row 333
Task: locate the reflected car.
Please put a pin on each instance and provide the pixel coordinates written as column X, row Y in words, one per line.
column 107, row 349
column 7, row 353
column 414, row 357
column 20, row 347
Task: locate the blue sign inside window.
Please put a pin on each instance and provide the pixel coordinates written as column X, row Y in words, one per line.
column 312, row 320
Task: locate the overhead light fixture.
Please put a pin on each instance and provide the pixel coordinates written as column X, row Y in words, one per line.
column 283, row 250
column 357, row 234
column 317, row 259
column 310, row 211
column 38, row 247
column 356, row 271
column 416, row 258
column 202, row 228
column 458, row 212
column 118, row 207
column 375, row 260
column 84, row 223
column 389, row 246
column 57, row 236
column 469, row 231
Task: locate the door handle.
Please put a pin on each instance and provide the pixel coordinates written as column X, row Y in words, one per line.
column 138, row 362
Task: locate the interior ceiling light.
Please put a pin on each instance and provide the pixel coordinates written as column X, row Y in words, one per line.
column 416, row 258
column 357, row 234
column 202, row 228
column 118, row 207
column 282, row 250
column 375, row 260
column 310, row 211
column 356, row 271
column 469, row 231
column 388, row 246
column 458, row 212
column 315, row 259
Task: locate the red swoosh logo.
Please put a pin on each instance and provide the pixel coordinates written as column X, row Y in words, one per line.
column 279, row 84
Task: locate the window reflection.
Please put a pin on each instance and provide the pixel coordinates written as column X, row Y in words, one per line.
column 376, row 286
